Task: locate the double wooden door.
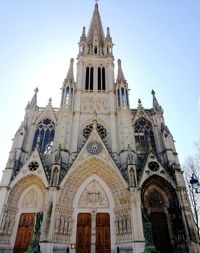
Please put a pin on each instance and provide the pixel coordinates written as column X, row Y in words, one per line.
column 24, row 232
column 83, row 241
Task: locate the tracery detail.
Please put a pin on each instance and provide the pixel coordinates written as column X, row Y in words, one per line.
column 101, row 130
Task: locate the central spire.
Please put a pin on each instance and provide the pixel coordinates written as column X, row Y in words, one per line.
column 95, row 32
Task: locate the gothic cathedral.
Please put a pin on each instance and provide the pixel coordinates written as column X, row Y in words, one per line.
column 94, row 175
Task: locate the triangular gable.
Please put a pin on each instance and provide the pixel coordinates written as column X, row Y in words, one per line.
column 33, row 166
column 94, row 147
column 48, row 112
column 140, row 113
column 153, row 167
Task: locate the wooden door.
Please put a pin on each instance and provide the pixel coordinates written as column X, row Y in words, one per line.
column 160, row 232
column 24, row 232
column 83, row 236
column 103, row 233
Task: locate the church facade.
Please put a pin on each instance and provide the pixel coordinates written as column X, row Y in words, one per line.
column 106, row 178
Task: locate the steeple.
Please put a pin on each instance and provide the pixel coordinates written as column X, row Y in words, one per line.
column 156, row 106
column 95, row 43
column 95, row 32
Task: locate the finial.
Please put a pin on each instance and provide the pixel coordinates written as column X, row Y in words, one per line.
column 153, row 92
column 139, row 101
column 108, row 32
column 50, row 100
column 119, row 62
column 95, row 114
column 96, row 3
column 71, row 61
column 36, row 90
column 83, row 32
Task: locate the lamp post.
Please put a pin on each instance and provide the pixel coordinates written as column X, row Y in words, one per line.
column 195, row 183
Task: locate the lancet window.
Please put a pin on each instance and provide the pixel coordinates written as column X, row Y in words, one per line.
column 44, row 134
column 101, row 79
column 144, row 136
column 89, row 78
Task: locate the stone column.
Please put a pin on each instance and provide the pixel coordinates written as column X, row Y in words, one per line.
column 93, row 232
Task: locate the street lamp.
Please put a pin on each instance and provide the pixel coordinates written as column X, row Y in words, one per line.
column 195, row 183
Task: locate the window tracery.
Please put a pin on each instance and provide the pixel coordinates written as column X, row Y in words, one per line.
column 101, row 130
column 144, row 136
column 44, row 134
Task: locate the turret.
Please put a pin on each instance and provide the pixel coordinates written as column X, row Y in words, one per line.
column 121, row 88
column 68, row 88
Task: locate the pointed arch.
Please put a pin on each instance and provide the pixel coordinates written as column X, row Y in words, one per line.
column 144, row 136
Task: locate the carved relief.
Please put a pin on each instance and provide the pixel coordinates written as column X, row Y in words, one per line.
column 30, row 200
column 6, row 225
column 93, row 196
column 62, row 225
column 97, row 167
column 89, row 104
column 123, row 226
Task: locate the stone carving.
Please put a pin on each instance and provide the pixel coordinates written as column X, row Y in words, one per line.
column 123, row 224
column 21, row 186
column 30, row 199
column 83, row 171
column 7, row 222
column 93, row 103
column 63, row 224
column 55, row 177
column 93, row 196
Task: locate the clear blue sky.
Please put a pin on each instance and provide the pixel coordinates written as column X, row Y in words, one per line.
column 157, row 41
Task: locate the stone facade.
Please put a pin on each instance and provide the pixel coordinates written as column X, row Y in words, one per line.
column 95, row 156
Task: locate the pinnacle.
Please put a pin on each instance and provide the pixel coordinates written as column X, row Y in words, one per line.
column 120, row 75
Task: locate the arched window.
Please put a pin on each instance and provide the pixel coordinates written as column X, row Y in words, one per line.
column 87, row 79
column 118, row 97
column 67, row 95
column 101, row 79
column 127, row 103
column 91, row 78
column 44, row 134
column 72, row 96
column 144, row 137
column 123, row 96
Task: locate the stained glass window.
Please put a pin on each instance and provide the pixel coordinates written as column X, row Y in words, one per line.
column 144, row 136
column 44, row 134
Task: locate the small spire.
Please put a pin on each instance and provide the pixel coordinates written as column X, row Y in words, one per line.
column 70, row 75
column 156, row 105
column 33, row 102
column 108, row 32
column 83, row 33
column 120, row 75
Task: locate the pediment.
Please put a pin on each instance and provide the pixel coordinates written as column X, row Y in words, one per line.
column 153, row 167
column 33, row 166
column 48, row 112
